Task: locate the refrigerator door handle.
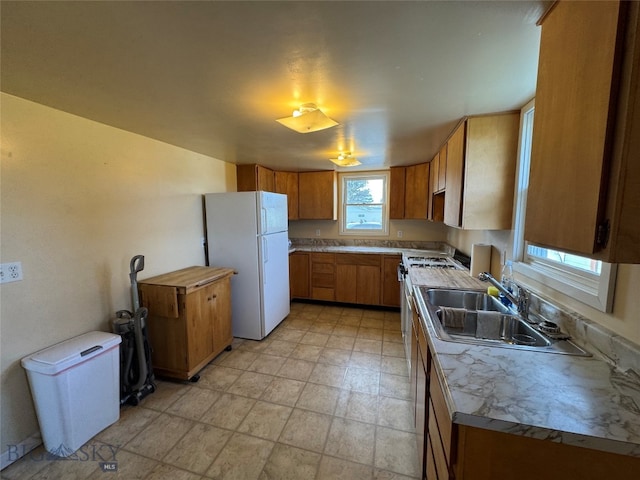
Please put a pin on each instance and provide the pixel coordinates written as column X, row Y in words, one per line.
column 265, row 251
column 265, row 226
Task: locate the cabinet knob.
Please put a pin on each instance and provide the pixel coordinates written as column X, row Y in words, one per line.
column 212, row 297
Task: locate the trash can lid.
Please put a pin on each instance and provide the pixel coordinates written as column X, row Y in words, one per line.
column 66, row 354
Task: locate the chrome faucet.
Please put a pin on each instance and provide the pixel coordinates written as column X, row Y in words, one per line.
column 520, row 299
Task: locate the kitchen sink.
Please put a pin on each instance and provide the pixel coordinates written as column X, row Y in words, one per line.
column 471, row 316
column 467, row 299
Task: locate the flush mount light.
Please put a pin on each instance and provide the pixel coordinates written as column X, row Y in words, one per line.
column 345, row 159
column 308, row 118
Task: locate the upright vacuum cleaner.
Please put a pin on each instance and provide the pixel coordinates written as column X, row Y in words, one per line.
column 136, row 372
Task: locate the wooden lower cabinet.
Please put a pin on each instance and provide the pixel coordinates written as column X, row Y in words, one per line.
column 323, row 276
column 189, row 321
column 358, row 278
column 366, row 279
column 299, row 275
column 390, row 285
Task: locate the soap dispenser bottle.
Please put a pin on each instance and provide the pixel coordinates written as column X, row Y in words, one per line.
column 507, row 281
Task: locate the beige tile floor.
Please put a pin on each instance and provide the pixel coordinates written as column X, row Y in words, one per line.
column 325, row 396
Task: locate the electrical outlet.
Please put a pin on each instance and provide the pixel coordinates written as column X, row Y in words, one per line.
column 399, row 233
column 317, row 232
column 10, row 272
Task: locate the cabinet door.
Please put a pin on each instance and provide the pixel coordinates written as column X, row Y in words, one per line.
column 346, row 283
column 396, row 192
column 434, row 169
column 200, row 310
column 571, row 133
column 265, row 179
column 455, row 177
column 287, row 183
column 390, row 284
column 317, row 195
column 368, row 284
column 221, row 314
column 442, row 171
column 417, row 191
column 299, row 275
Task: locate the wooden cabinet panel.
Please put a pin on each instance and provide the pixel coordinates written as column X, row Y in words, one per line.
column 199, row 324
column 480, row 172
column 250, row 178
column 416, row 191
column 585, row 177
column 396, row 192
column 390, row 285
column 346, row 280
column 358, row 278
column 221, row 314
column 160, row 301
column 455, row 171
column 317, row 195
column 442, row 170
column 287, row 183
column 299, row 275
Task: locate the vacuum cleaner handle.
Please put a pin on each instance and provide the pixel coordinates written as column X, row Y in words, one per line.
column 137, row 264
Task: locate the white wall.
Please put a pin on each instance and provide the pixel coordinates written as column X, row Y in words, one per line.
column 79, row 199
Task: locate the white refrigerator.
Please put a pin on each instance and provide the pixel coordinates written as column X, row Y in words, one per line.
column 247, row 231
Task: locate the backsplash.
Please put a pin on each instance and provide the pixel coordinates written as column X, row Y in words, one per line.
column 616, row 350
column 330, row 242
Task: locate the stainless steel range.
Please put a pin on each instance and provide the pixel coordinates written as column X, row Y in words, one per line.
column 428, row 260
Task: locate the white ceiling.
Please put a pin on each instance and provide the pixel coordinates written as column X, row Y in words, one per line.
column 212, row 77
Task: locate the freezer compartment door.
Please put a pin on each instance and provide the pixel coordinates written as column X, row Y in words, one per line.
column 272, row 213
column 274, row 257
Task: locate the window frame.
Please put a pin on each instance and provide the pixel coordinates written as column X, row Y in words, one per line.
column 592, row 289
column 344, row 177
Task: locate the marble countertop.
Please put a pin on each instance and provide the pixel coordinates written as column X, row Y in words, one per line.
column 581, row 401
column 361, row 249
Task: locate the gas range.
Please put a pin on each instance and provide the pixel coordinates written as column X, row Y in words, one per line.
column 442, row 262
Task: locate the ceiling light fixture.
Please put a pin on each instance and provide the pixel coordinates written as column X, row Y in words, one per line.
column 308, row 118
column 345, row 159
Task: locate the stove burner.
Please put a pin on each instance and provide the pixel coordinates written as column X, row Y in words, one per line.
column 431, row 265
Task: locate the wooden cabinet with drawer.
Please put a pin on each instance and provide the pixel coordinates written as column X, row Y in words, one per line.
column 323, row 276
column 189, row 321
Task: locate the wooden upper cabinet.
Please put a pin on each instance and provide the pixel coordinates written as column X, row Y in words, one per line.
column 287, row 183
column 480, row 172
column 416, row 199
column 317, row 195
column 584, row 193
column 251, row 178
column 396, row 192
column 442, row 170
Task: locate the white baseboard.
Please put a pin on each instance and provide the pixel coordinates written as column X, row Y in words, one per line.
column 15, row 452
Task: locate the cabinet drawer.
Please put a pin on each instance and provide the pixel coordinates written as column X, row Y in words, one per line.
column 323, row 258
column 436, row 399
column 358, row 259
column 439, row 451
column 326, row 280
column 323, row 294
column 323, row 268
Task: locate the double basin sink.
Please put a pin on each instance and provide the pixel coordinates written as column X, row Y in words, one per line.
column 470, row 316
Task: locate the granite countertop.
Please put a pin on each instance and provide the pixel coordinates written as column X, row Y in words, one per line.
column 581, row 401
column 378, row 250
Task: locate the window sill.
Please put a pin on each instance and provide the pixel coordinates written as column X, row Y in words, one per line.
column 597, row 293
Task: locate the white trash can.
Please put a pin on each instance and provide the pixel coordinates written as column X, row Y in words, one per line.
column 75, row 386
